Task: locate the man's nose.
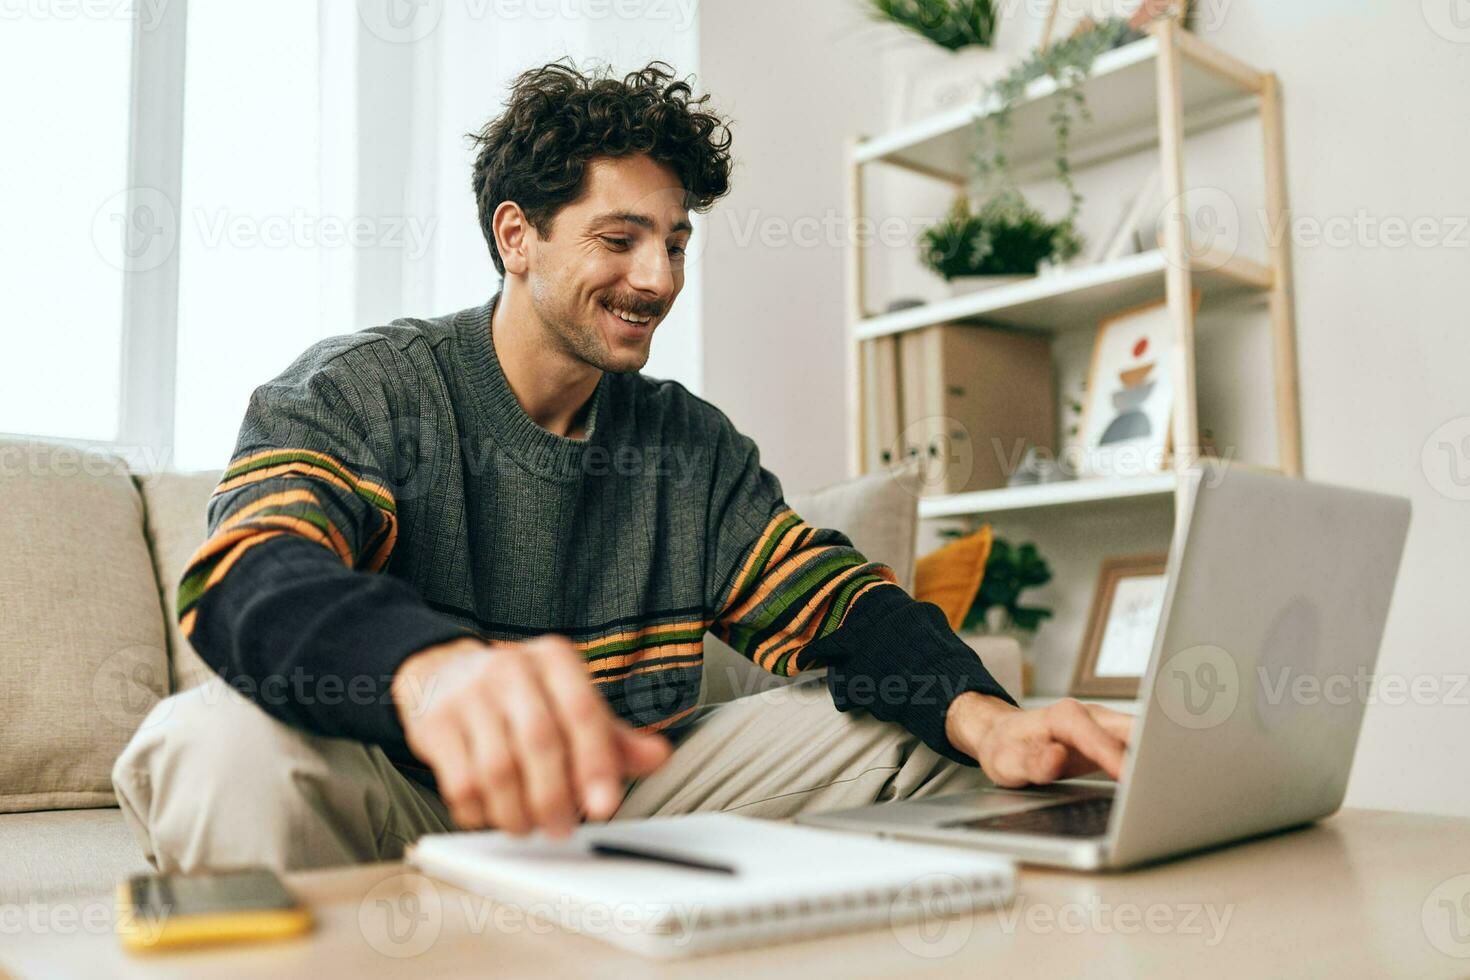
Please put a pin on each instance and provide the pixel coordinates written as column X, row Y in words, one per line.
column 652, row 272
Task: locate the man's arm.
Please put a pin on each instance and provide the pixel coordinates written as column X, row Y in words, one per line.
column 287, row 599
column 792, row 597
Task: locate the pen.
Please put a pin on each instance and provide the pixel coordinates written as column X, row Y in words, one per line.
column 623, row 850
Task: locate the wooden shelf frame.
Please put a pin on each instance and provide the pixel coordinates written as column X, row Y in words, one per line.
column 1168, row 57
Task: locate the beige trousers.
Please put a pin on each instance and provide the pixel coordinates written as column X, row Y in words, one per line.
column 211, row 780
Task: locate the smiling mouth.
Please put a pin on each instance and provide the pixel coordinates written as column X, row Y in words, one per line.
column 629, row 317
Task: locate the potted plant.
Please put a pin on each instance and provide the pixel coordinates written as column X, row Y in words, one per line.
column 951, row 24
column 998, row 609
column 1001, row 242
column 954, row 61
column 1068, row 63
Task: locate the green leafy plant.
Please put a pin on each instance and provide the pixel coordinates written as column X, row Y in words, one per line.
column 1069, row 63
column 1006, row 236
column 1008, row 572
column 951, row 24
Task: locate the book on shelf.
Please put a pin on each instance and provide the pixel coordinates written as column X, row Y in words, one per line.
column 880, row 381
column 972, row 399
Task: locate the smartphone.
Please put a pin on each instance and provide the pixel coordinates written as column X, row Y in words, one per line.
column 159, row 911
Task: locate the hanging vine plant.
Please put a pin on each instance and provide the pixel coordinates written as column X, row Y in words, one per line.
column 1069, row 63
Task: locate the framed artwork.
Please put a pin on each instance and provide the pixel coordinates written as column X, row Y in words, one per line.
column 1125, row 430
column 1124, row 617
column 1069, row 17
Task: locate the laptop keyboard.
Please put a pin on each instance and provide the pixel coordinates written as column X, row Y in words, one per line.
column 1074, row 818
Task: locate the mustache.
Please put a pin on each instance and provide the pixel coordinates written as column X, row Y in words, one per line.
column 635, row 305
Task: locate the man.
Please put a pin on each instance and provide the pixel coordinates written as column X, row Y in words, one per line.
column 462, row 567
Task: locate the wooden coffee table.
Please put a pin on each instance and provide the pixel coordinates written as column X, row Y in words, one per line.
column 1365, row 893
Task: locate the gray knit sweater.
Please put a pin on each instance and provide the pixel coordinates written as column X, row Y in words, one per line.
column 388, row 493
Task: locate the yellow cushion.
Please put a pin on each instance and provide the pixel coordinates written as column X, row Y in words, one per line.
column 950, row 577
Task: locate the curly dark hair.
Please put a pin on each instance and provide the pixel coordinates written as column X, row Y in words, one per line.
column 557, row 119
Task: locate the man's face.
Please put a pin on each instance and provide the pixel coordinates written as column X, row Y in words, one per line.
column 608, row 272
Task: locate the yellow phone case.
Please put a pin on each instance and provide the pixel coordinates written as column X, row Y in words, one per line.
column 142, row 933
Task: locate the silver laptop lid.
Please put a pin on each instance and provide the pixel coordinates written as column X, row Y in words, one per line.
column 1277, row 594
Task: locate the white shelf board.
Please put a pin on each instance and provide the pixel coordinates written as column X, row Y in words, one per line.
column 1120, row 94
column 1076, row 299
column 1066, row 493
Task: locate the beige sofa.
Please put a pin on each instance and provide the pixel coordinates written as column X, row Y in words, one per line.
column 90, row 558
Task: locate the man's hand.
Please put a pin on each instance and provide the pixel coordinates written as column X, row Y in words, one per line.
column 1019, row 748
column 517, row 736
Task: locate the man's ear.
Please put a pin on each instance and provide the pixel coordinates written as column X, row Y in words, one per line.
column 513, row 237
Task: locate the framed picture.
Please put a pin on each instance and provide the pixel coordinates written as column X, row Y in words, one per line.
column 1124, row 430
column 1120, row 627
column 1069, row 17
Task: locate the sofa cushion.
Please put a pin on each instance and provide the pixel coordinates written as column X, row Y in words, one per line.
column 65, row 854
column 881, row 518
column 175, row 504
column 82, row 647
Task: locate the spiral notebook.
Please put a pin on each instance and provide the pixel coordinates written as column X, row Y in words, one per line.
column 677, row 886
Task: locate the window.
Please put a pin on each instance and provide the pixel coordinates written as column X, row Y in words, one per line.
column 59, row 242
column 251, row 226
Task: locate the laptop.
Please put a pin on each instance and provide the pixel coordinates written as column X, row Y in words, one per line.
column 1277, row 591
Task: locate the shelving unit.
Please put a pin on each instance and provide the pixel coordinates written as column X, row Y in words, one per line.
column 1078, row 298
column 1153, row 92
column 1011, row 499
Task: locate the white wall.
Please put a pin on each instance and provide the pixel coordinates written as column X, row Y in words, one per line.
column 798, row 80
column 1377, row 125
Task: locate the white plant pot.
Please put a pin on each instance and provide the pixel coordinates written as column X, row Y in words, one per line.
column 943, row 80
column 964, row 285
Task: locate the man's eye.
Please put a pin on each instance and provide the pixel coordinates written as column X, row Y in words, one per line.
column 616, row 243
column 677, row 251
